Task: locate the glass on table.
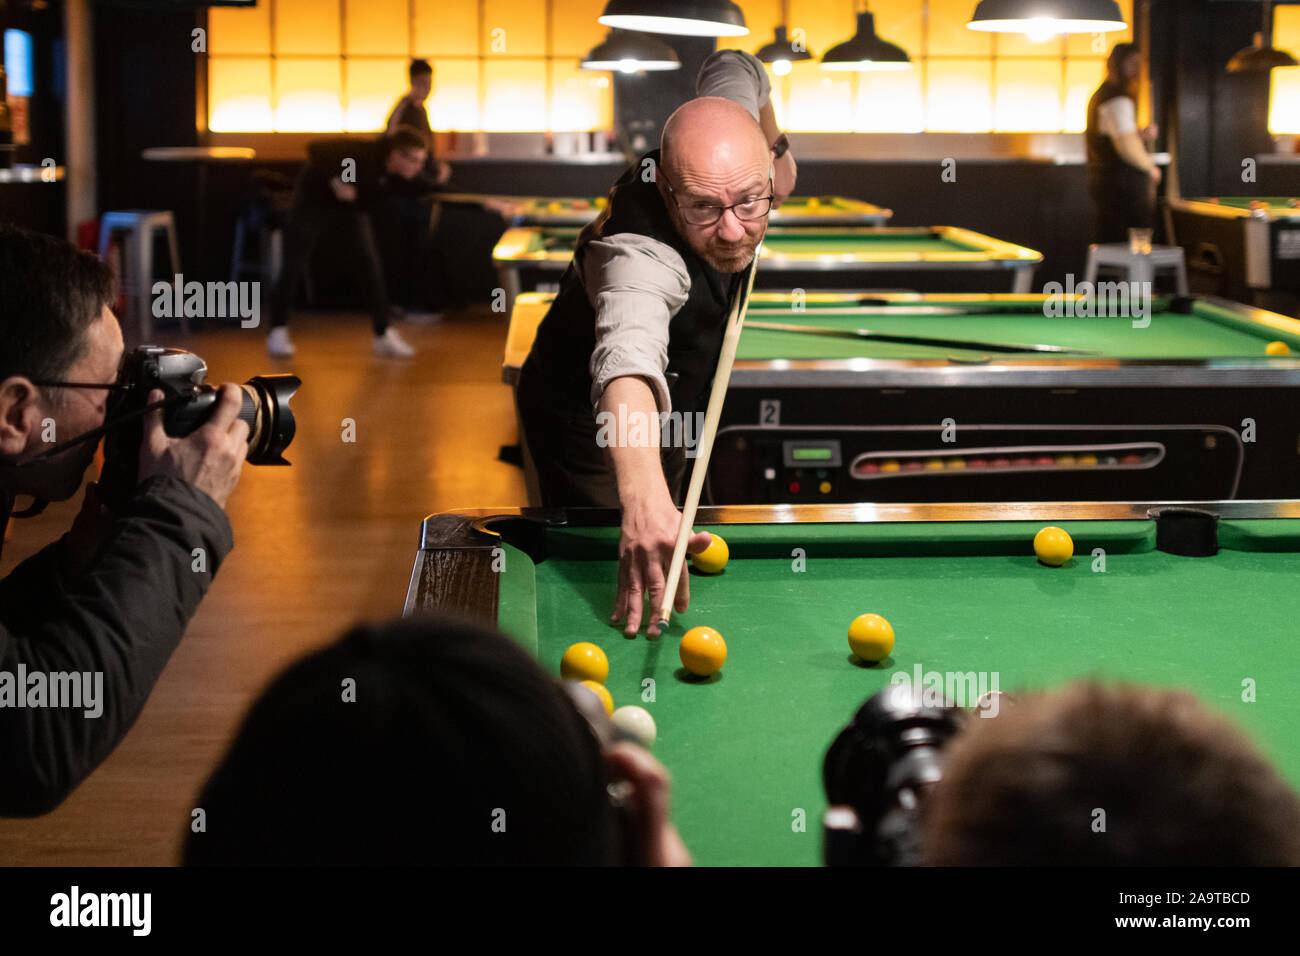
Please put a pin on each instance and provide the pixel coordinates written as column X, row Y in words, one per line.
column 1139, row 241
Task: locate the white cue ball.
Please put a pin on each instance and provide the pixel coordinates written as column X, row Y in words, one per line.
column 637, row 723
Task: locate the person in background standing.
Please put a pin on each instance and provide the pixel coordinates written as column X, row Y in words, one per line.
column 1122, row 176
column 407, row 221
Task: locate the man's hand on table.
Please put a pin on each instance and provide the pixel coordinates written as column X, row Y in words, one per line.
column 645, row 550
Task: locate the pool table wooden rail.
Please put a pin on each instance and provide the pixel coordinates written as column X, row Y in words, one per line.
column 453, row 571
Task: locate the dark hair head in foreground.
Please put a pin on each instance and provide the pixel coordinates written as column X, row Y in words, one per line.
column 50, row 295
column 458, row 750
column 1171, row 783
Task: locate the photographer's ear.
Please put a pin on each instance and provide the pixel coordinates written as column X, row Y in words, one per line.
column 21, row 410
column 643, row 785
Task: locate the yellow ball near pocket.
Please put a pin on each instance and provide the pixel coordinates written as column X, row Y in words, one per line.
column 713, row 558
column 1054, row 546
column 871, row 637
column 1277, row 348
column 584, row 661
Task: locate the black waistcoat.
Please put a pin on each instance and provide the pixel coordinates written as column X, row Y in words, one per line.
column 1106, row 168
column 561, row 353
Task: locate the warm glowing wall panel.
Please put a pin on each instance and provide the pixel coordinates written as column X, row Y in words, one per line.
column 454, row 102
column 446, row 27
column 1284, row 97
column 1082, row 77
column 574, row 29
column 370, row 88
column 826, row 23
column 243, row 30
column 516, row 94
column 580, row 99
column 948, row 35
column 376, row 27
column 820, row 100
column 514, row 27
column 958, row 96
column 239, row 91
column 308, row 95
column 762, row 17
column 307, row 27
column 1284, row 102
column 889, row 102
column 1027, row 95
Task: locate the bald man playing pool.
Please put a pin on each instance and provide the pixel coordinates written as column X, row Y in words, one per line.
column 637, row 326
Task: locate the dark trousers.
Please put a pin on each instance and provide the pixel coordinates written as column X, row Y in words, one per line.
column 307, row 223
column 572, row 470
column 405, row 224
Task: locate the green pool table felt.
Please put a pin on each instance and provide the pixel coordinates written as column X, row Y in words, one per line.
column 745, row 748
column 1208, row 333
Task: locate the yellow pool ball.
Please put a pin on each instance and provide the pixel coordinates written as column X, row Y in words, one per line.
column 713, row 558
column 584, row 661
column 703, row 651
column 1053, row 546
column 1277, row 348
column 606, row 699
column 871, row 637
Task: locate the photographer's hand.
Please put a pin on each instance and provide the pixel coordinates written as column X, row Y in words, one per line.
column 210, row 458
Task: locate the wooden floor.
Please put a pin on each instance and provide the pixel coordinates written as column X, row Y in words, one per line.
column 318, row 545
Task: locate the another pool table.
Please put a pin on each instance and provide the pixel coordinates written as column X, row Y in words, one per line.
column 578, row 211
column 814, row 258
column 963, row 591
column 1238, row 245
column 795, row 211
column 1185, row 406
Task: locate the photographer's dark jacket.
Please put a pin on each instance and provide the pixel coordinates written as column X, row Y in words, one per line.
column 123, row 616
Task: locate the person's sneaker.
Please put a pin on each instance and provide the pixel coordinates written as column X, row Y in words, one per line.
column 278, row 344
column 392, row 344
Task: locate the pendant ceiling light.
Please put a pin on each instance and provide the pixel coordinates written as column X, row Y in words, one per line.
column 1261, row 56
column 1042, row 19
column 781, row 53
column 866, row 51
column 694, row 18
column 626, row 52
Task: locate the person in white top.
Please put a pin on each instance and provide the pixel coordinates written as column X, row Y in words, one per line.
column 1122, row 176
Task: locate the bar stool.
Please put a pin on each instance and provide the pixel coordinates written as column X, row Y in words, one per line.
column 1139, row 266
column 140, row 225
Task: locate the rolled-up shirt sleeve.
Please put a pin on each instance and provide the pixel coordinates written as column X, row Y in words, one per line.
column 636, row 285
column 738, row 76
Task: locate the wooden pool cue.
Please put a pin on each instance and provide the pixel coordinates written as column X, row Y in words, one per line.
column 730, row 339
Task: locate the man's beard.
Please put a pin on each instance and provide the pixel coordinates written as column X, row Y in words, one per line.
column 734, row 260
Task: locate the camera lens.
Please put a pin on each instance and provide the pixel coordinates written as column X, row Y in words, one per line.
column 269, row 417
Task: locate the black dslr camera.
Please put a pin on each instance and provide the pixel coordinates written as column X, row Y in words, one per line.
column 877, row 774
column 186, row 407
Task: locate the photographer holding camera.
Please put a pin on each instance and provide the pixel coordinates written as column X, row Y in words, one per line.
column 113, row 596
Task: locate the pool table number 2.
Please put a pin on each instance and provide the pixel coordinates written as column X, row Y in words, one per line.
column 769, row 412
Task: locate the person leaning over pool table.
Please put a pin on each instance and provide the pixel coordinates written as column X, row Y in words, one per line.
column 637, row 325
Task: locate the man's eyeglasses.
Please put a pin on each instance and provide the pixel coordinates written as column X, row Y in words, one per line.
column 706, row 214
